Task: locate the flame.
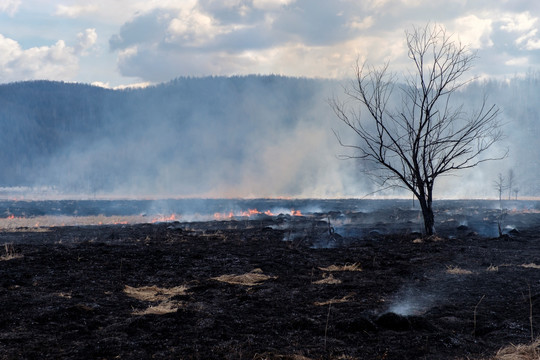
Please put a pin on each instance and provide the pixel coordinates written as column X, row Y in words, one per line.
column 249, row 213
column 223, row 216
column 163, row 218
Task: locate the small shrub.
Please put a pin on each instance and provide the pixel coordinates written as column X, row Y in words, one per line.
column 10, row 253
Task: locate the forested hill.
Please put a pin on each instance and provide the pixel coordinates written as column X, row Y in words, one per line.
column 216, row 136
column 188, row 135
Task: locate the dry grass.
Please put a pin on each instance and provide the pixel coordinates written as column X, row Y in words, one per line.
column 252, row 278
column 492, row 268
column 10, row 253
column 531, row 266
column 156, row 294
column 270, row 356
column 519, row 352
column 456, row 270
column 344, row 299
column 42, row 223
column 346, row 267
column 164, row 307
column 328, row 280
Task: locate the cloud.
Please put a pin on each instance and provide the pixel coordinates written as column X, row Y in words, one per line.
column 522, row 22
column 106, row 85
column 75, row 11
column 86, row 40
column 306, row 37
column 233, row 37
column 192, row 28
column 270, row 4
column 55, row 62
column 45, row 62
column 474, row 31
column 525, row 27
column 10, row 7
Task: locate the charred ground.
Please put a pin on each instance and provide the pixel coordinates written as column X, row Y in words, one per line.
column 299, row 288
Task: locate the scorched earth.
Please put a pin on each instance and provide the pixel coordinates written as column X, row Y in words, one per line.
column 340, row 284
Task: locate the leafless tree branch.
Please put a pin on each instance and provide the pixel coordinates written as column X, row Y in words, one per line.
column 427, row 136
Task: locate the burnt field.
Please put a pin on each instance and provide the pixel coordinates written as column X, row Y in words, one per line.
column 325, row 280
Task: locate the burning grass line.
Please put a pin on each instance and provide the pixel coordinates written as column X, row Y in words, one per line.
column 252, row 278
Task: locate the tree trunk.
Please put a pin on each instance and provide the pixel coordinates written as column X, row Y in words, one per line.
column 427, row 214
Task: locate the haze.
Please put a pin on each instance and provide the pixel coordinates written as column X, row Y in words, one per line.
column 200, row 124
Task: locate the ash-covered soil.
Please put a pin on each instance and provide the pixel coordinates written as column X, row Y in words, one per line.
column 277, row 287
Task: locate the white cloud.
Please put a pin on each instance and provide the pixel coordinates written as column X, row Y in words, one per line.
column 525, row 27
column 291, row 37
column 55, row 62
column 86, row 40
column 106, row 85
column 192, row 28
column 75, row 11
column 9, row 6
column 45, row 62
column 533, row 44
column 362, row 24
column 522, row 22
column 270, row 4
column 474, row 31
column 519, row 61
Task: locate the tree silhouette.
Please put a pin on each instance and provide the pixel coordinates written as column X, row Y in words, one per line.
column 427, row 135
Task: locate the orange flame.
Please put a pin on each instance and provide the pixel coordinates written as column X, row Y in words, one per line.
column 249, row 213
column 172, row 217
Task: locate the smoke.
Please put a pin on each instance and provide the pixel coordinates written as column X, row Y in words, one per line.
column 238, row 137
column 411, row 301
column 210, row 138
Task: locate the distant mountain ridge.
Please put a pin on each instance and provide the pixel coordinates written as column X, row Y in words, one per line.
column 213, row 136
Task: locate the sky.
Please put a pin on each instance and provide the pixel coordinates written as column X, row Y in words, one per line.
column 117, row 43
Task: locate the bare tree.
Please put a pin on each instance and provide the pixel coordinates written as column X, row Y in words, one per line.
column 500, row 185
column 426, row 136
column 510, row 182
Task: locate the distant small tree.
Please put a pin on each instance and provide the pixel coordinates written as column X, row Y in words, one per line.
column 500, row 185
column 510, row 182
column 426, row 136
